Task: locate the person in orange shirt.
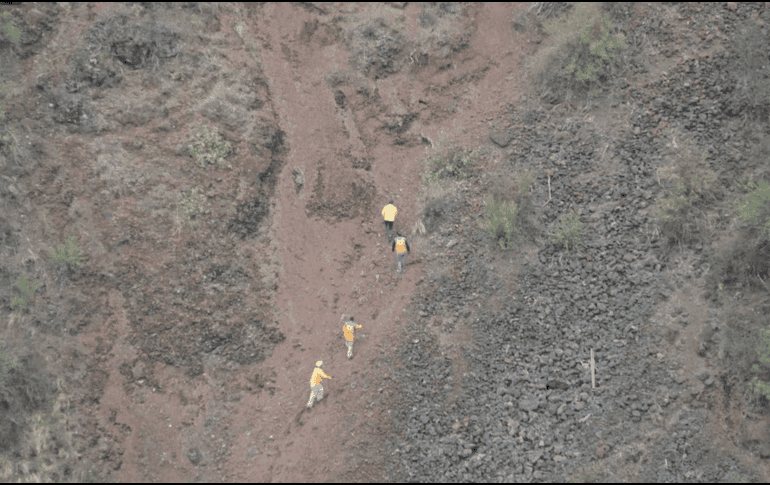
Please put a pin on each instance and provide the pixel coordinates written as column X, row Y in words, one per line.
column 401, row 246
column 348, row 328
column 316, row 389
column 389, row 214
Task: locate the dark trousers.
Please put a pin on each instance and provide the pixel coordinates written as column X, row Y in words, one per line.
column 388, row 229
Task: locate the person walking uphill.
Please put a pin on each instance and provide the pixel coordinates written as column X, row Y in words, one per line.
column 401, row 246
column 348, row 328
column 316, row 389
column 389, row 214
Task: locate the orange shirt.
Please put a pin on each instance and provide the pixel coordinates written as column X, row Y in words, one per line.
column 347, row 328
column 400, row 244
column 318, row 374
column 389, row 212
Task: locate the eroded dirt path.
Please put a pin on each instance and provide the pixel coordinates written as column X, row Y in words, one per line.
column 327, row 262
column 329, row 236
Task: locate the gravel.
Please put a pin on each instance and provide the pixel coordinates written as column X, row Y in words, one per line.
column 526, row 409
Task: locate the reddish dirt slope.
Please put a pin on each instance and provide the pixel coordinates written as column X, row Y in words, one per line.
column 330, row 264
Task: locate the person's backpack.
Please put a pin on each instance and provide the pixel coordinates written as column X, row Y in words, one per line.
column 400, row 244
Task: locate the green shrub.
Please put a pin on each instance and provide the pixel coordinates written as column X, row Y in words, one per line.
column 746, row 261
column 208, row 148
column 568, row 232
column 749, row 73
column 450, row 163
column 28, row 291
column 191, row 204
column 598, row 46
column 500, row 222
column 7, row 29
column 7, row 363
column 683, row 195
column 67, row 253
column 579, row 53
column 757, row 385
column 2, row 108
column 691, row 189
column 753, row 209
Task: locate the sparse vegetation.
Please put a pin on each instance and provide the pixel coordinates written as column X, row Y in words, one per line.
column 7, row 146
column 67, row 253
column 209, row 148
column 755, row 207
column 8, row 30
column 190, row 204
column 736, row 478
column 750, row 87
column 746, row 262
column 48, row 459
column 597, row 47
column 499, row 222
column 2, row 107
column 28, row 292
column 568, row 232
column 691, row 186
column 6, row 363
column 579, row 55
column 757, row 385
column 584, row 476
column 450, row 162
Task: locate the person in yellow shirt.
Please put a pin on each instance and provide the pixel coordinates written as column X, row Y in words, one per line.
column 401, row 247
column 348, row 328
column 316, row 389
column 389, row 214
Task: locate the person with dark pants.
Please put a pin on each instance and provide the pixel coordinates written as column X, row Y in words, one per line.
column 401, row 246
column 348, row 328
column 389, row 214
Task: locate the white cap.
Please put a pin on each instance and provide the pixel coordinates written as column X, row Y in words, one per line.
column 319, row 363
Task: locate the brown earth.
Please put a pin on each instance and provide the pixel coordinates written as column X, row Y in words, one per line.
column 296, row 89
column 182, row 348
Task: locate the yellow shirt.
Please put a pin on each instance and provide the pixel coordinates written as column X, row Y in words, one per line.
column 347, row 328
column 318, row 374
column 389, row 212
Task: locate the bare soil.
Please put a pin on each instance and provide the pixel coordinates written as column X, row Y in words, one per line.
column 181, row 349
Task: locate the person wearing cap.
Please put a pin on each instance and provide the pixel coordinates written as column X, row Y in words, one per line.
column 316, row 389
column 401, row 246
column 389, row 214
column 348, row 328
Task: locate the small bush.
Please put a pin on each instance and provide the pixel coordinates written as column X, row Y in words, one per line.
column 7, row 146
column 746, row 261
column 450, row 163
column 754, row 209
column 67, row 253
column 749, row 68
column 691, row 188
column 28, row 292
column 190, row 204
column 8, row 31
column 569, row 232
column 508, row 208
column 597, row 47
column 2, row 107
column 579, row 54
column 499, row 222
column 7, row 363
column 757, row 385
column 209, row 148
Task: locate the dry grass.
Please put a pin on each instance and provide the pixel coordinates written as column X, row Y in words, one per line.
column 50, row 451
column 562, row 31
